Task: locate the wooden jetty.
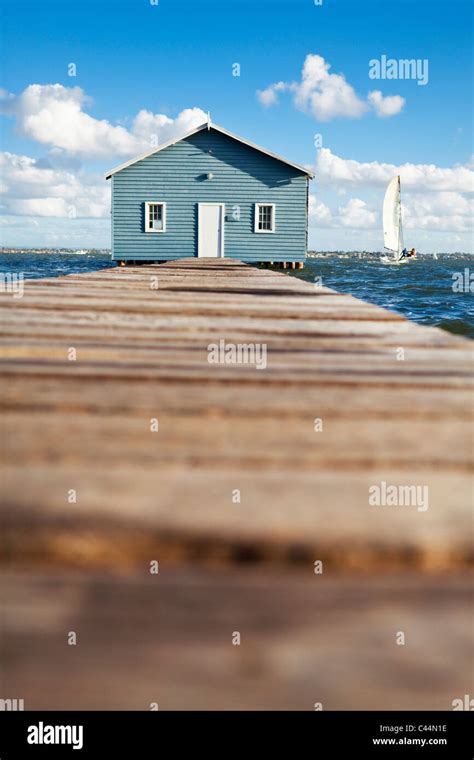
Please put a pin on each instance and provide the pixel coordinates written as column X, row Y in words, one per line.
column 123, row 446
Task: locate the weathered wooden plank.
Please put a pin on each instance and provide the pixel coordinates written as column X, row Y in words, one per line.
column 416, row 359
column 323, row 513
column 305, row 639
column 127, row 438
column 229, row 565
column 212, row 399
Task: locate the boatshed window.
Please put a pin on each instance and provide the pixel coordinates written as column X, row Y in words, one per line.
column 155, row 216
column 264, row 217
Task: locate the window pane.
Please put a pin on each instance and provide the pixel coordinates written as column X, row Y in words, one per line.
column 155, row 216
column 265, row 214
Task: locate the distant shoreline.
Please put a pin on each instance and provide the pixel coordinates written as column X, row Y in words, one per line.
column 73, row 251
column 311, row 254
column 377, row 254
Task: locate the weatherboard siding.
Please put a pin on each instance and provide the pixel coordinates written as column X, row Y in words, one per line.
column 177, row 176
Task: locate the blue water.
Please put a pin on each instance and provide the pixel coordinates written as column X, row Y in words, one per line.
column 421, row 290
column 36, row 265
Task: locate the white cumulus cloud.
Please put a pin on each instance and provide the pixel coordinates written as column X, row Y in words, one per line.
column 325, row 95
column 29, row 188
column 438, row 212
column 385, row 106
column 331, row 169
column 355, row 215
column 147, row 125
column 269, row 96
column 55, row 115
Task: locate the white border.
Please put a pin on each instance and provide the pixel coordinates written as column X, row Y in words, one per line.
column 147, row 215
column 256, row 215
column 221, row 241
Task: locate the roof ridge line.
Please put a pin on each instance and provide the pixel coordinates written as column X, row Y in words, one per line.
column 208, row 126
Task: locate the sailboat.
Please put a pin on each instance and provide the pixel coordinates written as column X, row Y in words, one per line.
column 392, row 224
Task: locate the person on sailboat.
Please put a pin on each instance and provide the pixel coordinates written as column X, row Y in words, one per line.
column 412, row 254
column 404, row 254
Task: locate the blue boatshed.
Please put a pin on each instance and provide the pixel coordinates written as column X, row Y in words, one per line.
column 210, row 193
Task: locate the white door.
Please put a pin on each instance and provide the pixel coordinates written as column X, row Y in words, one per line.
column 211, row 229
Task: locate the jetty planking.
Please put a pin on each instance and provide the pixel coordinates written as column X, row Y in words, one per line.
column 352, row 396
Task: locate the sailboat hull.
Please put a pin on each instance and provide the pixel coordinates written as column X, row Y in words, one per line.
column 395, row 262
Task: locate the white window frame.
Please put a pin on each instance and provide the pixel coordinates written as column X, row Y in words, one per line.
column 258, row 206
column 147, row 215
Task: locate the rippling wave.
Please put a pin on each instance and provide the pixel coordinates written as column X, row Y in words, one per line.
column 427, row 290
column 423, row 290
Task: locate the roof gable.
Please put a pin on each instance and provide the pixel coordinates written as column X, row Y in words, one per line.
column 217, row 129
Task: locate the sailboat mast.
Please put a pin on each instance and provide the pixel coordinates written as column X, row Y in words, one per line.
column 392, row 219
column 399, row 215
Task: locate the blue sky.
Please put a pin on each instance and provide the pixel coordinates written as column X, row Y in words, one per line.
column 133, row 56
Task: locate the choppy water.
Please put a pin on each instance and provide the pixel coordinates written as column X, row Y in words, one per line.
column 422, row 290
column 35, row 265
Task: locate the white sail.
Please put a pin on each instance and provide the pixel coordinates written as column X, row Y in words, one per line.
column 392, row 218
